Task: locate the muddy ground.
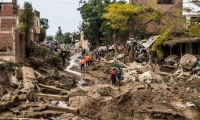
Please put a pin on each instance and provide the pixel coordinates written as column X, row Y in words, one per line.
column 91, row 96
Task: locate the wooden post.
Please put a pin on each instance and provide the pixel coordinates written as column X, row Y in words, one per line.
column 170, row 50
column 181, row 49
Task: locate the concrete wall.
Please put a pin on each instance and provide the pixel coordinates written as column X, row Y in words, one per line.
column 84, row 43
column 19, row 45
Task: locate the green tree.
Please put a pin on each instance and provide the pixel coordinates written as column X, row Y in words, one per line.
column 49, row 37
column 130, row 17
column 175, row 25
column 67, row 38
column 93, row 26
column 43, row 28
column 44, row 23
column 59, row 35
column 26, row 22
column 76, row 36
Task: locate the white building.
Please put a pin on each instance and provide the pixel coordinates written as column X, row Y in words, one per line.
column 191, row 9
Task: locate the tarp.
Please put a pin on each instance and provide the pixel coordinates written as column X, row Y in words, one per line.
column 111, row 47
column 147, row 42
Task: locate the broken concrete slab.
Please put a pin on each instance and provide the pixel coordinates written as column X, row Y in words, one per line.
column 29, row 78
column 13, row 81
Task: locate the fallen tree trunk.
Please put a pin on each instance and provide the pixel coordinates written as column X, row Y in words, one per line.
column 43, row 114
column 163, row 73
column 52, row 97
column 52, row 88
column 8, row 118
column 120, row 62
column 74, row 111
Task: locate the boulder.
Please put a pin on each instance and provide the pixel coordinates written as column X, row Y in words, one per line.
column 145, row 76
column 188, row 61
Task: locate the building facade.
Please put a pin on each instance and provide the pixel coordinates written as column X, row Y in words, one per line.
column 8, row 22
column 170, row 7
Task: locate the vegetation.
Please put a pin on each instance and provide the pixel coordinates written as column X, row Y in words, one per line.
column 59, row 34
column 43, row 27
column 169, row 30
column 49, row 37
column 194, row 31
column 157, row 46
column 130, row 17
column 26, row 22
column 94, row 26
column 41, row 51
column 66, row 37
column 11, row 65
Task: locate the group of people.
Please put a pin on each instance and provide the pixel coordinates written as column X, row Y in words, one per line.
column 116, row 76
column 86, row 60
column 100, row 54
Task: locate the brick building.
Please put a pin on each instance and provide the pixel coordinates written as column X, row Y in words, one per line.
column 167, row 6
column 8, row 21
column 9, row 35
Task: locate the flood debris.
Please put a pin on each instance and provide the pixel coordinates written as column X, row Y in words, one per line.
column 147, row 91
column 27, row 92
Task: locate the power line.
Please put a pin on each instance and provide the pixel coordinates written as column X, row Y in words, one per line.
column 61, row 2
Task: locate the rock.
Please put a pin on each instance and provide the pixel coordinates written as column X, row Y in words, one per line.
column 186, row 74
column 188, row 61
column 134, row 65
column 104, row 91
column 145, row 76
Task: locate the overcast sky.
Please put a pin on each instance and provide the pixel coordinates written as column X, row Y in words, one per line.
column 59, row 13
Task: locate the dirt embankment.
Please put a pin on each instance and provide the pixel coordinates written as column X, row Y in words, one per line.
column 28, row 87
column 4, row 79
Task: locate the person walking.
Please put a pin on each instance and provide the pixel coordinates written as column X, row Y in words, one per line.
column 82, row 62
column 113, row 77
column 119, row 75
column 87, row 59
column 63, row 56
column 90, row 58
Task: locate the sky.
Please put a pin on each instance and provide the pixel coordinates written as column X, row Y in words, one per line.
column 61, row 13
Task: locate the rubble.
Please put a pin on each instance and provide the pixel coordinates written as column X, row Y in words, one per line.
column 147, row 92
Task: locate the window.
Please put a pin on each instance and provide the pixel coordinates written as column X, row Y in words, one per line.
column 1, row 6
column 165, row 1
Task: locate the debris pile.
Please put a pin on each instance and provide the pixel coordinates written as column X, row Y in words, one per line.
column 146, row 92
column 28, row 92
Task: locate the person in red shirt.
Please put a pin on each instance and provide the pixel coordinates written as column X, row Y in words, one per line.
column 113, row 77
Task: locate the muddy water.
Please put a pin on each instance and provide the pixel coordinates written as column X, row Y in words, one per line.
column 72, row 63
